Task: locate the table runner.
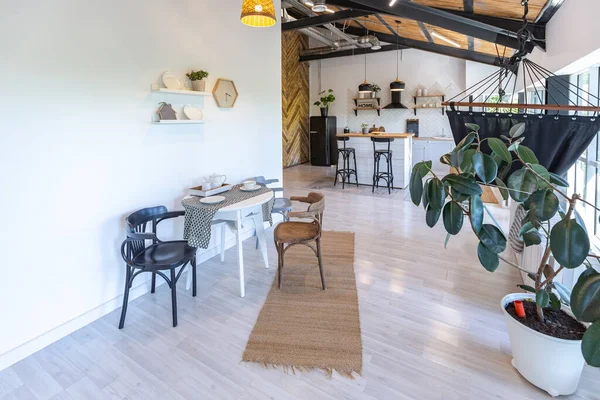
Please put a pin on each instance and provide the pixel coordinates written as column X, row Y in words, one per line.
column 198, row 216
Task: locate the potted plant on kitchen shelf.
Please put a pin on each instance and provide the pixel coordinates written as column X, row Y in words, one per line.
column 365, row 128
column 376, row 89
column 542, row 352
column 327, row 97
column 197, row 78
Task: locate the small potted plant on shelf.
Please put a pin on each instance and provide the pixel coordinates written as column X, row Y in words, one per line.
column 560, row 329
column 197, row 78
column 376, row 90
column 327, row 98
column 365, row 128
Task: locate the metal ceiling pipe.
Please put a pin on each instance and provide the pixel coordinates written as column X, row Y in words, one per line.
column 312, row 32
column 309, row 13
column 325, row 50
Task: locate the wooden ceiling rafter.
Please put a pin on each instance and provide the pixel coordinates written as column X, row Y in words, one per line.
column 500, row 20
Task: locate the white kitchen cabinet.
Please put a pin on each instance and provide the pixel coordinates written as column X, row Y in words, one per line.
column 433, row 149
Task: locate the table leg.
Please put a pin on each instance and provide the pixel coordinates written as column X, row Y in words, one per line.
column 238, row 225
column 260, row 234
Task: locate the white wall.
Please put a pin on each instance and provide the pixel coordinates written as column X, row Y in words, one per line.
column 418, row 69
column 572, row 33
column 77, row 151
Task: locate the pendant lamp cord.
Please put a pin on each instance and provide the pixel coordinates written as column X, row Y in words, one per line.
column 397, row 52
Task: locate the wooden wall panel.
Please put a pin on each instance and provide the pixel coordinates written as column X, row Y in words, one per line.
column 295, row 99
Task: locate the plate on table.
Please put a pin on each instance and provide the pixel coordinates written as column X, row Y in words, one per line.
column 254, row 189
column 212, row 200
column 170, row 81
column 192, row 112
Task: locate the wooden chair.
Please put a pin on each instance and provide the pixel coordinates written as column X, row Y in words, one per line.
column 292, row 233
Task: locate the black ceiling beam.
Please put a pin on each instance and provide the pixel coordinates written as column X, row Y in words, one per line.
column 323, row 19
column 346, row 53
column 425, row 32
column 548, row 12
column 468, row 6
column 431, row 47
column 389, row 28
column 471, row 43
column 440, row 18
column 511, row 25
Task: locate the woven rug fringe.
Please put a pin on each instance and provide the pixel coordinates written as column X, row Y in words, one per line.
column 350, row 374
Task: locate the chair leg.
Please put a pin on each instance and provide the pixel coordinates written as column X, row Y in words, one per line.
column 279, row 264
column 337, row 164
column 320, row 257
column 125, row 297
column 193, row 262
column 355, row 170
column 153, row 288
column 374, row 172
column 174, row 297
column 223, row 243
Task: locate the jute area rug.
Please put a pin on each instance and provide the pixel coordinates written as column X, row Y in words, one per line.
column 302, row 327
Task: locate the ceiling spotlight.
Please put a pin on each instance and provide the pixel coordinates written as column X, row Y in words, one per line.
column 372, row 40
column 319, row 6
column 392, row 2
column 445, row 39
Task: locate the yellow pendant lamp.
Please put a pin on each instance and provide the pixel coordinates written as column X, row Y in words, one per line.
column 258, row 13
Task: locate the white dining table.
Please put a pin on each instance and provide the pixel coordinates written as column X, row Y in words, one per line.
column 234, row 214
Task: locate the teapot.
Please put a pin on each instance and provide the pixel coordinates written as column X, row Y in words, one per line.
column 213, row 181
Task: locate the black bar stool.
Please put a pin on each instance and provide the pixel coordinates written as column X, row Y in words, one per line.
column 388, row 176
column 346, row 171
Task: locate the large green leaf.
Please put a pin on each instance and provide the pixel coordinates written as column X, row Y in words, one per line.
column 542, row 298
column 569, row 243
column 499, row 148
column 492, row 238
column 458, row 196
column 558, row 180
column 472, row 127
column 436, row 194
column 541, row 171
column 445, row 159
column 554, row 301
column 543, row 204
column 453, row 217
column 487, row 258
column 590, row 346
column 521, row 184
column 517, row 130
column 466, row 142
column 563, row 292
column 424, row 198
column 432, row 215
column 532, row 238
column 485, row 167
column 502, row 187
column 585, row 299
column 466, row 162
column 416, row 187
column 476, row 209
column 527, row 155
column 423, row 167
column 463, row 184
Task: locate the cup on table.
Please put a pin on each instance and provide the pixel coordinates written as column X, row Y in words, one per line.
column 249, row 185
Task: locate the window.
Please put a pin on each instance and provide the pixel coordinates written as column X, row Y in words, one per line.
column 583, row 176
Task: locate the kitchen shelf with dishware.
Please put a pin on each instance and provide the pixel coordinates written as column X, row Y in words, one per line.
column 429, row 106
column 356, row 110
column 177, row 122
column 190, row 92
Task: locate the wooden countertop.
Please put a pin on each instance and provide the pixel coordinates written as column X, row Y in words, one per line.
column 377, row 134
column 438, row 138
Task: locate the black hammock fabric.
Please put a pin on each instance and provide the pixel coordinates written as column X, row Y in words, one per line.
column 557, row 141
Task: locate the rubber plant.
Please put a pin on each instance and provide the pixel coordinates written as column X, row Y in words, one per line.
column 514, row 169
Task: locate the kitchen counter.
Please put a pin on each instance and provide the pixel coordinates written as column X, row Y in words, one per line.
column 401, row 156
column 377, row 134
column 439, row 138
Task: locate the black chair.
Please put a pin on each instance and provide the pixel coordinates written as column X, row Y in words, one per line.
column 345, row 172
column 157, row 257
column 388, row 175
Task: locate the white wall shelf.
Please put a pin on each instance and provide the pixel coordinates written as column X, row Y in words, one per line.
column 178, row 121
column 182, row 91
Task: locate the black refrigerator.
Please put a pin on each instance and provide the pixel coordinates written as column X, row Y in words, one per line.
column 323, row 144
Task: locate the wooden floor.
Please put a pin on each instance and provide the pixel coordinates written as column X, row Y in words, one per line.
column 430, row 318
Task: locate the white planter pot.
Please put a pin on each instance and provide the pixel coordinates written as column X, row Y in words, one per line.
column 199, row 86
column 552, row 364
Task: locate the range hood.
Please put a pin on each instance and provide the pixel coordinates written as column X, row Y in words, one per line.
column 396, row 102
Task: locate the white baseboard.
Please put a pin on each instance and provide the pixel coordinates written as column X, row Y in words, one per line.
column 28, row 348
